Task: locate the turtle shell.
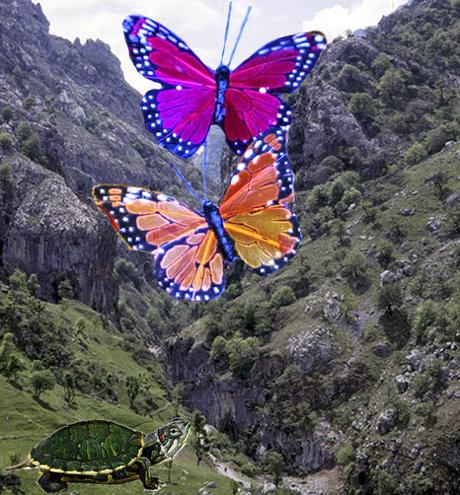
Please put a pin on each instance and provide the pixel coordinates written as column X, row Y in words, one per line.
column 88, row 447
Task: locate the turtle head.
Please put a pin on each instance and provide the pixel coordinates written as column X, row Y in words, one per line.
column 166, row 442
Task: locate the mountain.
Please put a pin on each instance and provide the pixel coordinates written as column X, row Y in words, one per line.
column 344, row 364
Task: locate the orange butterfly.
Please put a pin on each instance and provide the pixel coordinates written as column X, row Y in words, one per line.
column 253, row 223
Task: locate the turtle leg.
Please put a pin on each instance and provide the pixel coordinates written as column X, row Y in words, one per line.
column 150, row 482
column 52, row 482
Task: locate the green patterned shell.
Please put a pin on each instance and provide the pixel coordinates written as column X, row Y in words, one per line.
column 88, row 447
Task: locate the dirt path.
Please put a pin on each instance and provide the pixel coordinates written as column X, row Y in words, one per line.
column 226, row 470
column 321, row 483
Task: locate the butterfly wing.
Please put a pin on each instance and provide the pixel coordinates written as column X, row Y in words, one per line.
column 145, row 220
column 251, row 102
column 256, row 209
column 181, row 113
column 188, row 263
column 191, row 267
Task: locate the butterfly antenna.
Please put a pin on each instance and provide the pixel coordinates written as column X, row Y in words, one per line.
column 229, row 16
column 239, row 35
column 185, row 182
column 205, row 170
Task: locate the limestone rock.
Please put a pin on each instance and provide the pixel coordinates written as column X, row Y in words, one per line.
column 387, row 421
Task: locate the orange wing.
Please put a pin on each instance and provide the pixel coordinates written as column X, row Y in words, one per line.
column 263, row 177
column 143, row 219
column 192, row 267
column 255, row 207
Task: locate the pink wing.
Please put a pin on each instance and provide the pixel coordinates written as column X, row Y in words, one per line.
column 252, row 104
column 180, row 114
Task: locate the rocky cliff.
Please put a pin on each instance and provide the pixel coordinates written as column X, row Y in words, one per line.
column 68, row 121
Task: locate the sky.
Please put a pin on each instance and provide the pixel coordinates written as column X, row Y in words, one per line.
column 201, row 23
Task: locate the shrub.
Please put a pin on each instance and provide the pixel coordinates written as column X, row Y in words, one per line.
column 31, row 148
column 7, row 114
column 29, row 102
column 23, row 131
column 389, row 298
column 363, row 107
column 426, row 315
column 369, row 212
column 381, row 64
column 393, row 84
column 346, row 454
column 415, row 154
column 127, row 269
column 283, row 296
column 241, row 354
column 218, row 349
column 65, row 290
column 6, row 141
column 384, row 253
column 437, row 138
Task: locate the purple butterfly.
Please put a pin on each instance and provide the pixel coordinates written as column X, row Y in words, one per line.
column 244, row 102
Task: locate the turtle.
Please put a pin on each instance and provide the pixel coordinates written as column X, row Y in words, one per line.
column 104, row 452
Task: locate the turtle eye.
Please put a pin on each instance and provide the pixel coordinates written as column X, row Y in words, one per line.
column 162, row 438
column 175, row 432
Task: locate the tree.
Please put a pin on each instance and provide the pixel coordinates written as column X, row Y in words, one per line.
column 274, row 464
column 389, row 298
column 241, row 354
column 133, row 387
column 169, row 466
column 176, row 397
column 201, row 441
column 439, row 181
column 14, row 366
column 415, row 154
column 80, row 327
column 69, row 388
column 283, row 296
column 65, row 290
column 7, row 347
column 392, row 84
column 33, row 285
column 363, row 107
column 384, row 253
column 41, row 381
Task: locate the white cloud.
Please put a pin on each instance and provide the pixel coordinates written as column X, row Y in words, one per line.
column 337, row 19
column 201, row 23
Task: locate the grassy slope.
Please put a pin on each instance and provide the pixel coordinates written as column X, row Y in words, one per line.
column 24, row 421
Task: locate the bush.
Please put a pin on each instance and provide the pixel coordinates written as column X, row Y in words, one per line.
column 369, row 212
column 381, row 64
column 346, row 454
column 283, row 296
column 128, row 270
column 31, row 148
column 65, row 290
column 415, row 154
column 29, row 102
column 389, row 298
column 241, row 354
column 6, row 141
column 218, row 349
column 426, row 315
column 384, row 253
column 437, row 138
column 23, row 132
column 7, row 114
column 363, row 107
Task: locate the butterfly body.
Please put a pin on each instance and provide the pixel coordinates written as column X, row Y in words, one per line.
column 216, row 224
column 222, row 83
